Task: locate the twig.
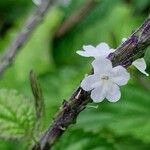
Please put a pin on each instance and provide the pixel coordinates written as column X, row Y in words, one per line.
column 75, row 18
column 125, row 54
column 32, row 22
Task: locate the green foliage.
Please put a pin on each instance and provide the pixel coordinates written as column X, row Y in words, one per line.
column 10, row 11
column 99, row 26
column 141, row 5
column 79, row 140
column 67, row 78
column 6, row 9
column 130, row 116
column 40, row 60
column 17, row 117
column 106, row 140
column 121, row 126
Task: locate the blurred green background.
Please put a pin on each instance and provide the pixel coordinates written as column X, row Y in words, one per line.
column 124, row 125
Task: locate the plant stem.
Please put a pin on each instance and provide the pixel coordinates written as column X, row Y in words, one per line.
column 133, row 48
column 31, row 24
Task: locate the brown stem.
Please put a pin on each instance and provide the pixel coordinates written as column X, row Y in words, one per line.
column 32, row 22
column 75, row 18
column 125, row 54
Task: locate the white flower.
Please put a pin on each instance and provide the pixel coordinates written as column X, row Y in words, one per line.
column 105, row 81
column 101, row 50
column 140, row 63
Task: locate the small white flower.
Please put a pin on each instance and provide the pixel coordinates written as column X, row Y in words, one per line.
column 105, row 81
column 140, row 63
column 101, row 50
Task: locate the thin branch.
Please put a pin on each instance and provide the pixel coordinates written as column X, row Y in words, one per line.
column 32, row 22
column 75, row 18
column 125, row 54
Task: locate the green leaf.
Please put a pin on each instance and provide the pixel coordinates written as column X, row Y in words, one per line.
column 106, row 140
column 141, row 5
column 80, row 140
column 128, row 116
column 17, row 118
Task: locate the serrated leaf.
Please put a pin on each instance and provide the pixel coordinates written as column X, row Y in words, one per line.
column 17, row 117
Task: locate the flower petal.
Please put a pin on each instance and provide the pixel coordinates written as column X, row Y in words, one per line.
column 102, row 66
column 99, row 93
column 104, row 50
column 83, row 53
column 140, row 64
column 103, row 46
column 92, row 51
column 120, row 75
column 89, row 51
column 88, row 82
column 88, row 47
column 113, row 94
column 101, row 50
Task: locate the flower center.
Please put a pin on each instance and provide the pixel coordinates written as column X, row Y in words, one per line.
column 104, row 77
